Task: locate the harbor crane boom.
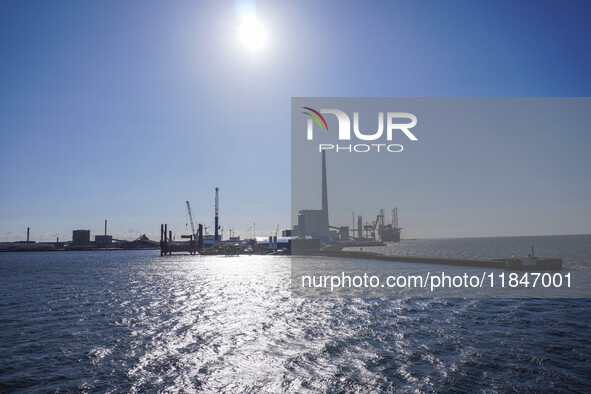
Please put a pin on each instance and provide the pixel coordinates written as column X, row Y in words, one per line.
column 216, row 237
column 192, row 221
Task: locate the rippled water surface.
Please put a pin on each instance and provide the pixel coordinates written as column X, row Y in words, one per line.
column 135, row 321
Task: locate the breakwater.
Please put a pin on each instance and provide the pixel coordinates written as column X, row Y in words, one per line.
column 541, row 264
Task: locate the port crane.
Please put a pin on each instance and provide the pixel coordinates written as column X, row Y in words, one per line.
column 370, row 228
column 216, row 237
column 191, row 219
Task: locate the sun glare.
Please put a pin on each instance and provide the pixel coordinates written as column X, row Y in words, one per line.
column 252, row 34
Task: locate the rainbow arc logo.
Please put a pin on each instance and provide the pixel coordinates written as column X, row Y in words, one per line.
column 315, row 118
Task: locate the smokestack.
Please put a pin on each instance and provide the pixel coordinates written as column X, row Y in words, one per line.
column 324, row 188
column 217, row 215
column 28, row 231
column 105, row 227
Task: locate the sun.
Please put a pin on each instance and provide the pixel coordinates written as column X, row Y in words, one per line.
column 253, row 34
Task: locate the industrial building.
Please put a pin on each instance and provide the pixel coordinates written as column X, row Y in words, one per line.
column 314, row 222
column 80, row 237
column 103, row 240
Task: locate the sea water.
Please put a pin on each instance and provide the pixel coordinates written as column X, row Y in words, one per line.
column 136, row 321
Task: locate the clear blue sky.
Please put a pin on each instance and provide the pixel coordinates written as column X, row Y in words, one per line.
column 124, row 110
